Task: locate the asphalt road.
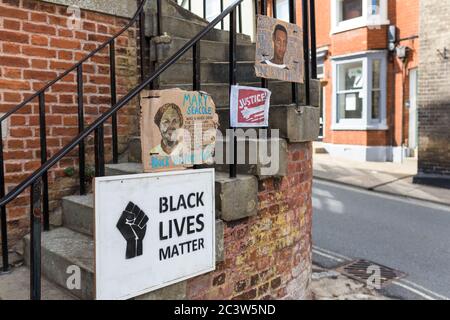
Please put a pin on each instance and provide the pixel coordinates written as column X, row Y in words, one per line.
column 404, row 234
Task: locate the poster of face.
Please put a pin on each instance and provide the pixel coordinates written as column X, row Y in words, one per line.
column 279, row 50
column 178, row 129
column 249, row 107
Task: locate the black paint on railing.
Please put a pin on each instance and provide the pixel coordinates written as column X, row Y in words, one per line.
column 112, row 69
column 43, row 145
column 233, row 81
column 264, row 81
column 3, row 218
column 81, row 147
column 312, row 17
column 293, row 19
column 35, row 239
column 196, row 62
column 305, row 14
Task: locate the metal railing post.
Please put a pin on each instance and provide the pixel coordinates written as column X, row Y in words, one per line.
column 305, row 19
column 81, row 146
column 232, row 78
column 158, row 17
column 312, row 17
column 43, row 143
column 112, row 69
column 99, row 151
column 264, row 81
column 274, row 8
column 3, row 218
column 222, row 24
column 293, row 19
column 35, row 240
column 196, row 61
column 204, row 9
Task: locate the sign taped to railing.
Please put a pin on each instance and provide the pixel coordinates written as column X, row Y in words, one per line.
column 178, row 129
column 152, row 230
column 249, row 107
column 279, row 50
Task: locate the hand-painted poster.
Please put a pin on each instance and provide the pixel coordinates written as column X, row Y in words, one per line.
column 249, row 107
column 279, row 50
column 178, row 129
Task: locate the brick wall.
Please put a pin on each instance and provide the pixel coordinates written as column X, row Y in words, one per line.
column 434, row 93
column 36, row 45
column 268, row 256
column 405, row 17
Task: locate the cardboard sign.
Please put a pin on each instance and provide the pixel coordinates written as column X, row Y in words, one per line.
column 178, row 129
column 152, row 230
column 249, row 107
column 279, row 50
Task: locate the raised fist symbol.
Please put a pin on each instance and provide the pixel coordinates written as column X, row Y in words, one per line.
column 133, row 225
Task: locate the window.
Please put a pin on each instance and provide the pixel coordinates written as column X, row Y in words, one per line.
column 359, row 91
column 350, row 9
column 352, row 14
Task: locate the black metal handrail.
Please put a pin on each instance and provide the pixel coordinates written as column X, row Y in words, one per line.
column 40, row 94
column 34, row 180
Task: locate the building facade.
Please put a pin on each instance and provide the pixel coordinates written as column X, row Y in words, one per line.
column 367, row 61
column 434, row 95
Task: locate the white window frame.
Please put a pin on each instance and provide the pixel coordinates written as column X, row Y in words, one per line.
column 366, row 122
column 366, row 20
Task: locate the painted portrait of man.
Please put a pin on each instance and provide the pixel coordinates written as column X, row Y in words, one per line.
column 279, row 50
column 280, row 41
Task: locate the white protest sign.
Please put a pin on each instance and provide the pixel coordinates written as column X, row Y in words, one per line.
column 249, row 107
column 152, row 230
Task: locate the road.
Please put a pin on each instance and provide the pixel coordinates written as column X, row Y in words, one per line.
column 408, row 235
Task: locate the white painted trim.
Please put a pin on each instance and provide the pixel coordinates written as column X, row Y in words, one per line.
column 366, row 153
column 366, row 20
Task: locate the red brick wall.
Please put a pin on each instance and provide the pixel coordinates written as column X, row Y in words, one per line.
column 36, row 45
column 406, row 18
column 268, row 256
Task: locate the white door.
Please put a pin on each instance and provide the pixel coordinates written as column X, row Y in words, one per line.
column 413, row 123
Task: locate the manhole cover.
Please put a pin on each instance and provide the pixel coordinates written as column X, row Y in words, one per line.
column 370, row 273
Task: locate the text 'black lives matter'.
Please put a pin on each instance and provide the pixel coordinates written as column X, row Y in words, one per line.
column 180, row 227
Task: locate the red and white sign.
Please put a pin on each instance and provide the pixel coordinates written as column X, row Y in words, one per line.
column 249, row 107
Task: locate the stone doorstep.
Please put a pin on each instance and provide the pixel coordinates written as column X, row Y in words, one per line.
column 165, row 46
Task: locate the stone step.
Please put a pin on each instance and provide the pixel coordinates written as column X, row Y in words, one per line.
column 220, row 92
column 209, row 50
column 16, row 286
column 78, row 214
column 211, row 72
column 186, row 28
column 63, row 248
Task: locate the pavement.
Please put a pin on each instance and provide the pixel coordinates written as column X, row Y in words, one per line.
column 408, row 235
column 331, row 285
column 385, row 177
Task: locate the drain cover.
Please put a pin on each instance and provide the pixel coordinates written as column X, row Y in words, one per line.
column 370, row 273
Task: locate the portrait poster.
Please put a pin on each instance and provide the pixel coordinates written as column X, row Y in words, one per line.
column 178, row 129
column 249, row 107
column 279, row 50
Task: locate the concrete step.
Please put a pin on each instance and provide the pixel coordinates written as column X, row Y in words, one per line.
column 211, row 72
column 16, row 286
column 187, row 28
column 63, row 248
column 209, row 50
column 78, row 213
column 220, row 92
